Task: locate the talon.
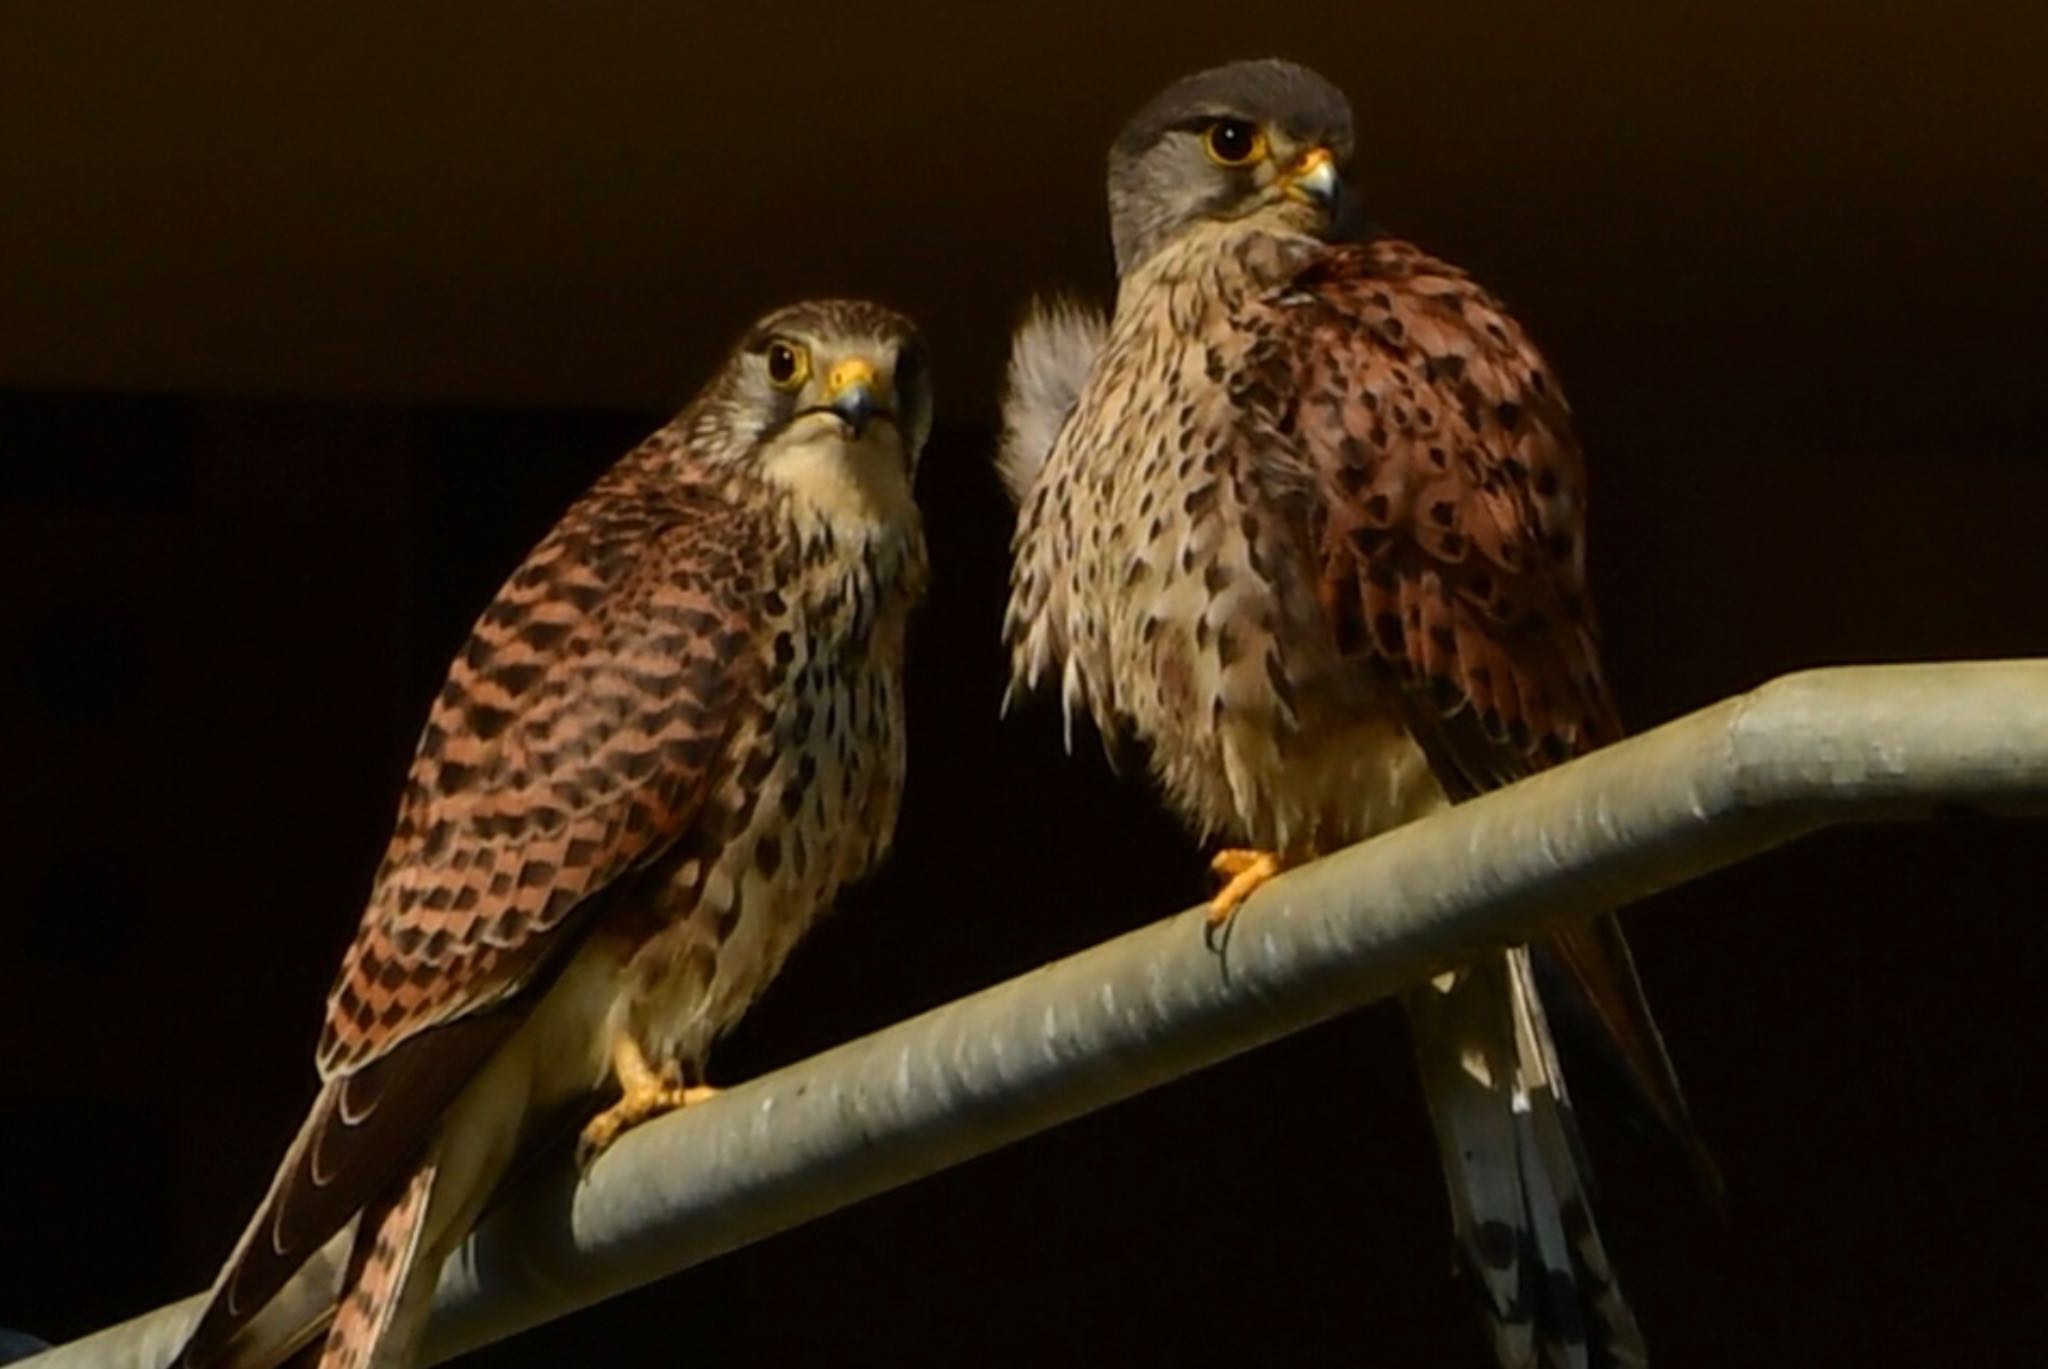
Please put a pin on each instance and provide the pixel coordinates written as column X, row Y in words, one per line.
column 632, row 1110
column 644, row 1094
column 1244, row 872
column 621, row 1117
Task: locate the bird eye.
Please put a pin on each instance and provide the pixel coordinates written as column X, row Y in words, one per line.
column 789, row 365
column 1234, row 142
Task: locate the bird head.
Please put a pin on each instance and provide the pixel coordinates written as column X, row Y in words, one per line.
column 830, row 399
column 1266, row 138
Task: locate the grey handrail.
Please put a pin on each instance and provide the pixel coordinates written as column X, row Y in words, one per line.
column 1825, row 746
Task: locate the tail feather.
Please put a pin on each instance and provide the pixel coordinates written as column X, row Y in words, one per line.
column 1603, row 996
column 294, row 1321
column 1519, row 1186
column 363, row 1136
column 264, row 1262
column 382, row 1309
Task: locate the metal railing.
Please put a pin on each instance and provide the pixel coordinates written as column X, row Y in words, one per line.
column 1826, row 746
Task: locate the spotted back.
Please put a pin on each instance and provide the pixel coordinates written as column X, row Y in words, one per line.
column 571, row 743
column 1450, row 535
column 1450, row 531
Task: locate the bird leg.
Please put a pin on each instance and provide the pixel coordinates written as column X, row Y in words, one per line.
column 1243, row 871
column 644, row 1093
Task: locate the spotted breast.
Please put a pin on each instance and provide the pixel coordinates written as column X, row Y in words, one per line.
column 808, row 801
column 1160, row 564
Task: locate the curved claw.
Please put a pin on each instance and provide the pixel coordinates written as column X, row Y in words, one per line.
column 1243, row 871
column 644, row 1093
column 633, row 1108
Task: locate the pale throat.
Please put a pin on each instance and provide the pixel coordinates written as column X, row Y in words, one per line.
column 860, row 490
column 1257, row 251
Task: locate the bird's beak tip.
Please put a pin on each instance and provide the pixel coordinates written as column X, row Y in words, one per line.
column 1314, row 179
column 855, row 405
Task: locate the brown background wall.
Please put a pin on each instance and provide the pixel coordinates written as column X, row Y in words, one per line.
column 310, row 322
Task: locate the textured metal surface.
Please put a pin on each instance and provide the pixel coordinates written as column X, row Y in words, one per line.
column 1876, row 742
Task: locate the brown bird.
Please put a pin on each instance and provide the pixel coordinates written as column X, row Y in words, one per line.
column 1306, row 518
column 671, row 738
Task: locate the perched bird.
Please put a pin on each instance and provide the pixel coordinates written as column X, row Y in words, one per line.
column 672, row 737
column 1306, row 518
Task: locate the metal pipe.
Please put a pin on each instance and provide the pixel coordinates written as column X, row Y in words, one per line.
column 1824, row 746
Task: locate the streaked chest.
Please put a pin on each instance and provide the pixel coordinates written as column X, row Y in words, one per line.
column 809, row 800
column 1177, row 527
column 1174, row 526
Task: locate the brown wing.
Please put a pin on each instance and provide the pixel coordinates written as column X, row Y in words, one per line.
column 570, row 744
column 574, row 742
column 1453, row 507
column 1450, row 536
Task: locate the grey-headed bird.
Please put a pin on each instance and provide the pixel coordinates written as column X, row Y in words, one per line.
column 1306, row 518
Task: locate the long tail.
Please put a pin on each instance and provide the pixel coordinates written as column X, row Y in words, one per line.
column 362, row 1147
column 382, row 1311
column 376, row 1316
column 1517, row 1178
column 268, row 1299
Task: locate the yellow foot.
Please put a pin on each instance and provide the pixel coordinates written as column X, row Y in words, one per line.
column 1243, row 872
column 644, row 1094
column 631, row 1110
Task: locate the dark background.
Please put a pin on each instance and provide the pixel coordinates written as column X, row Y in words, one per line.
column 312, row 320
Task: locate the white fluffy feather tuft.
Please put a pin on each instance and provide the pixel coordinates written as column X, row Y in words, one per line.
column 1050, row 358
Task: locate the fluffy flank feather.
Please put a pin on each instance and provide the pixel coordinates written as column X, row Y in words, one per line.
column 1050, row 357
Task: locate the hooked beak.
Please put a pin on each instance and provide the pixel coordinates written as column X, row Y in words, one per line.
column 1314, row 180
column 855, row 393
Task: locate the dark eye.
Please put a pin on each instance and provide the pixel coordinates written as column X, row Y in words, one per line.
column 788, row 365
column 1234, row 142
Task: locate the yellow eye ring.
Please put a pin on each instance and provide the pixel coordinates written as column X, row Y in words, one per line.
column 789, row 364
column 1234, row 142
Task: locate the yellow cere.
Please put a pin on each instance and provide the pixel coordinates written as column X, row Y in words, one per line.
column 1314, row 177
column 847, row 374
column 1314, row 160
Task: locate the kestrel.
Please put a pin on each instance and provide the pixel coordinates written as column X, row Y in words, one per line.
column 1306, row 517
column 672, row 737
